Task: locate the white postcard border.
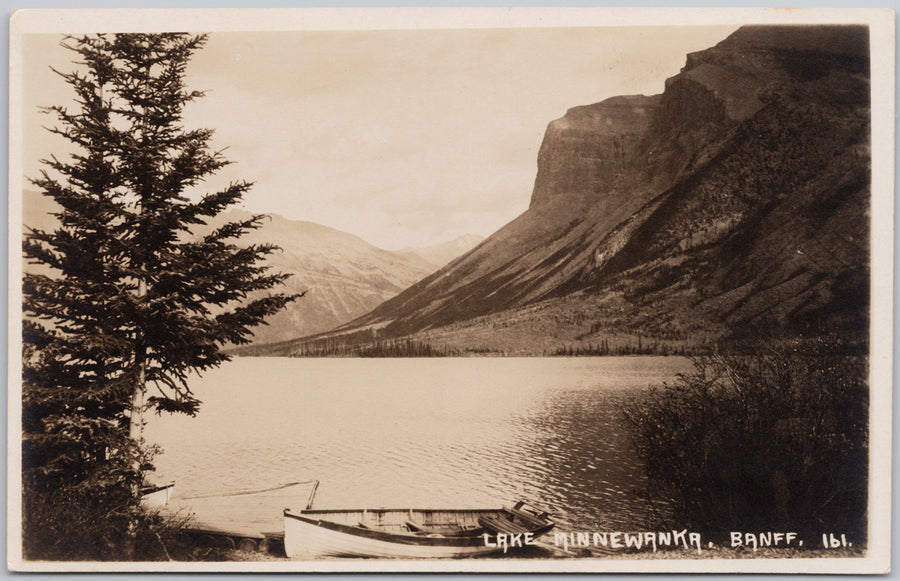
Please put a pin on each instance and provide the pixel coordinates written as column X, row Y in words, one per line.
column 881, row 23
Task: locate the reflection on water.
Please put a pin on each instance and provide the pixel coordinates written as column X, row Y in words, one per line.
column 450, row 433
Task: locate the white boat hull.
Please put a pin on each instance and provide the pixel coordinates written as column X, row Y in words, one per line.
column 407, row 533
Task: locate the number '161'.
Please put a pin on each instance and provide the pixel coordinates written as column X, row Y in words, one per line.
column 830, row 541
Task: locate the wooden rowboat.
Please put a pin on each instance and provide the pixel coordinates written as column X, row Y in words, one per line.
column 411, row 533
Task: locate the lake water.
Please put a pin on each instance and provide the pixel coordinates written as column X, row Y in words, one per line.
column 441, row 433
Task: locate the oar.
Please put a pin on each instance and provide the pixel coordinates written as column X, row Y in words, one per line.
column 312, row 494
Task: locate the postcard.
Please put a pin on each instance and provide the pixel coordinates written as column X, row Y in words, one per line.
column 451, row 290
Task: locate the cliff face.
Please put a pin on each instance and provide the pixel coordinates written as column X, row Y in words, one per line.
column 591, row 150
column 766, row 224
column 735, row 200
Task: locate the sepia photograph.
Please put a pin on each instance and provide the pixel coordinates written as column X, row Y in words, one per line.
column 450, row 290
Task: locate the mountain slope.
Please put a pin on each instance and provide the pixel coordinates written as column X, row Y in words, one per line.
column 343, row 275
column 498, row 273
column 771, row 232
column 734, row 202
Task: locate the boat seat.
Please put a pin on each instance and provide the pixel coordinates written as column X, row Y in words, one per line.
column 526, row 516
column 501, row 525
column 414, row 526
column 364, row 520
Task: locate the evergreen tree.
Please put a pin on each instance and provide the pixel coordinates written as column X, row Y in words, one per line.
column 136, row 302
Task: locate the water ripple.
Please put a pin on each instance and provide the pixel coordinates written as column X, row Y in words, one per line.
column 420, row 432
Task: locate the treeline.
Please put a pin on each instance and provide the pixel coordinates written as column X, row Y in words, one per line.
column 641, row 347
column 407, row 347
column 366, row 344
column 381, row 348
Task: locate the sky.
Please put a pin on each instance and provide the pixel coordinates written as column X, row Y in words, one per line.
column 404, row 138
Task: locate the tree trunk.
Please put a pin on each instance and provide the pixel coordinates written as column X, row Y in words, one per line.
column 136, row 425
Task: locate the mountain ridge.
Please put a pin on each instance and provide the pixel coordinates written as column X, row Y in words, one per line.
column 735, row 202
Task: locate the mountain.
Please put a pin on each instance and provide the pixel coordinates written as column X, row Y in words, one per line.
column 735, row 202
column 437, row 255
column 345, row 277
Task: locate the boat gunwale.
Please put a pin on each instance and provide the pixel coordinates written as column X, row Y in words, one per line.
column 154, row 488
column 377, row 510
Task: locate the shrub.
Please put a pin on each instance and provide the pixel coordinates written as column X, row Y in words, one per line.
column 93, row 525
column 771, row 438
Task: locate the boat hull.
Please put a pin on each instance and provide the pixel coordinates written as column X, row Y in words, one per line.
column 310, row 535
column 157, row 496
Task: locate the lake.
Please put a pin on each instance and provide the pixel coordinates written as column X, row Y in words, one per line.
column 442, row 433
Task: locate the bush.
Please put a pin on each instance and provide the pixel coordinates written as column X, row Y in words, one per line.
column 765, row 439
column 68, row 524
column 94, row 525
